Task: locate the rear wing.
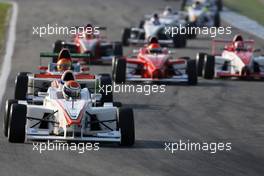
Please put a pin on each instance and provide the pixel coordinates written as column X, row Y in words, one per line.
column 73, row 55
column 228, row 45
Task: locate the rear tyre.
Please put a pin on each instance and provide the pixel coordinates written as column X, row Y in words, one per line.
column 106, row 81
column 21, row 87
column 200, row 63
column 120, row 71
column 179, row 41
column 219, row 4
column 209, row 67
column 7, row 114
column 125, row 36
column 141, row 24
column 217, row 20
column 17, row 123
column 192, row 72
column 126, row 125
column 191, row 27
column 118, row 49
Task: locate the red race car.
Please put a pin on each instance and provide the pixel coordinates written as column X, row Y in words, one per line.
column 237, row 60
column 92, row 42
column 155, row 64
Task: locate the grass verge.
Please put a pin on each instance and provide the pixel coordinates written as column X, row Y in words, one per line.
column 4, row 7
column 250, row 8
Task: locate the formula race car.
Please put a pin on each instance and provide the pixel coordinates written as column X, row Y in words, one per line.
column 66, row 112
column 101, row 50
column 155, row 64
column 41, row 81
column 217, row 4
column 203, row 14
column 155, row 26
column 237, row 60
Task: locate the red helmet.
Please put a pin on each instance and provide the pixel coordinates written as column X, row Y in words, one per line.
column 63, row 64
column 71, row 89
column 154, row 46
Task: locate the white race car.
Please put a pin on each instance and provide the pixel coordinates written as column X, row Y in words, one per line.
column 156, row 27
column 203, row 14
column 69, row 113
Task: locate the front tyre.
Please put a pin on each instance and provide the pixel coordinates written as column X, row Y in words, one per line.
column 192, row 72
column 17, row 123
column 209, row 67
column 7, row 114
column 126, row 125
column 200, row 63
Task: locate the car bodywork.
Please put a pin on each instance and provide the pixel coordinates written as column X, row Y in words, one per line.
column 155, row 67
column 100, row 49
column 140, row 35
column 233, row 62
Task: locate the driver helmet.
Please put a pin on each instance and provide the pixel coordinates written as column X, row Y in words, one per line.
column 196, row 4
column 155, row 19
column 167, row 11
column 153, row 47
column 71, row 90
column 239, row 45
column 63, row 64
column 89, row 31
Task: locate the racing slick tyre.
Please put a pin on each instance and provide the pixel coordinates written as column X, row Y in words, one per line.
column 217, row 20
column 141, row 24
column 192, row 72
column 21, row 87
column 125, row 36
column 179, row 41
column 58, row 45
column 209, row 67
column 219, row 4
column 17, row 123
column 245, row 73
column 200, row 63
column 126, row 125
column 106, row 81
column 192, row 32
column 120, row 71
column 118, row 49
column 183, row 5
column 6, row 115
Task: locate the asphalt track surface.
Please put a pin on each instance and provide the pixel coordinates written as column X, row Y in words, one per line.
column 213, row 111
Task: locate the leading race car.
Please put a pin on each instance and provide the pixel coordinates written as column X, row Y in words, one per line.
column 155, row 64
column 217, row 4
column 66, row 113
column 203, row 14
column 155, row 26
column 101, row 50
column 237, row 60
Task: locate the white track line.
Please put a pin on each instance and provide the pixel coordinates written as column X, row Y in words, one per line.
column 10, row 43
